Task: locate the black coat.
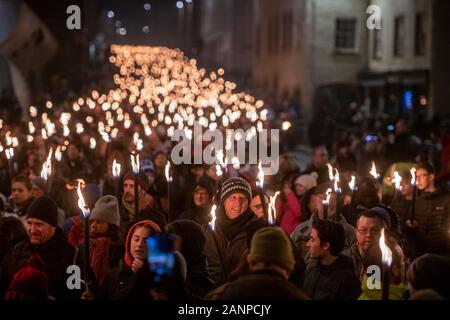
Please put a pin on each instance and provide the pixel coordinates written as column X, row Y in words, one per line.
column 224, row 255
column 119, row 284
column 334, row 282
column 262, row 285
column 433, row 219
column 57, row 255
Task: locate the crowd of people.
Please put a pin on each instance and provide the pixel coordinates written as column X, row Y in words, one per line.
column 320, row 246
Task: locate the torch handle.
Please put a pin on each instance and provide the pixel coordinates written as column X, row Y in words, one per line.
column 136, row 198
column 86, row 248
column 385, row 282
column 169, row 216
column 338, row 205
column 413, row 204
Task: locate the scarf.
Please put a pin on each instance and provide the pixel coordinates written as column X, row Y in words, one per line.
column 143, row 204
column 99, row 251
column 232, row 227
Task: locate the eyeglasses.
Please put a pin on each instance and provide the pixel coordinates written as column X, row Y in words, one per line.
column 364, row 232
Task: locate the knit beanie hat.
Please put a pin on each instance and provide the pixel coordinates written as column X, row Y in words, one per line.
column 30, row 282
column 107, row 209
column 382, row 214
column 307, row 180
column 142, row 179
column 271, row 245
column 45, row 209
column 235, row 185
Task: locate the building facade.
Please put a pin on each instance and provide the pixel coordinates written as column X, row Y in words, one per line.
column 397, row 80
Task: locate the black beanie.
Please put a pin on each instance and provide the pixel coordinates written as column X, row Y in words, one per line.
column 45, row 209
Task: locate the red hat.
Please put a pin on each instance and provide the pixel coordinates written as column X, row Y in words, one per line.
column 30, row 282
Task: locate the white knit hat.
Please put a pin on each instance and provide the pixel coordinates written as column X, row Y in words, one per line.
column 106, row 209
column 307, row 180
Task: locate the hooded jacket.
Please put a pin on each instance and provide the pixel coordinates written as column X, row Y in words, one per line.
column 199, row 214
column 336, row 281
column 120, row 282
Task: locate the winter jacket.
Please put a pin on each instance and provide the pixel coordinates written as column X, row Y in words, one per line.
column 223, row 255
column 433, row 218
column 119, row 284
column 336, row 281
column 292, row 214
column 57, row 255
column 301, row 233
column 396, row 291
column 262, row 285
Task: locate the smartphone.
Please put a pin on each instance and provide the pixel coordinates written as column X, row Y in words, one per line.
column 161, row 259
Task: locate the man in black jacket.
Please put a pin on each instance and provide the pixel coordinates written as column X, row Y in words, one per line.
column 46, row 240
column 429, row 230
column 146, row 208
column 227, row 242
column 329, row 276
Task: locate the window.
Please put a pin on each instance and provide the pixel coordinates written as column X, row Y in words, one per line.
column 420, row 35
column 269, row 36
column 377, row 44
column 345, row 35
column 399, row 36
column 287, row 30
column 276, row 33
column 258, row 41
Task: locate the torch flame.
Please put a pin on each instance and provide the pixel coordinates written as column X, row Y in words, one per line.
column 271, row 212
column 385, row 251
column 58, row 154
column 81, row 203
column 212, row 223
column 9, row 153
column 413, row 176
column 167, row 172
column 135, row 162
column 47, row 166
column 373, row 171
column 260, row 178
column 327, row 196
column 218, row 170
column 330, row 172
column 116, row 169
column 397, row 180
column 352, row 183
column 235, row 162
column 336, row 181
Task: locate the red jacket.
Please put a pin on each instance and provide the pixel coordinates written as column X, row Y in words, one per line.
column 291, row 213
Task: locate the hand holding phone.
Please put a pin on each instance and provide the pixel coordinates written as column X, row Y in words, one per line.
column 161, row 258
